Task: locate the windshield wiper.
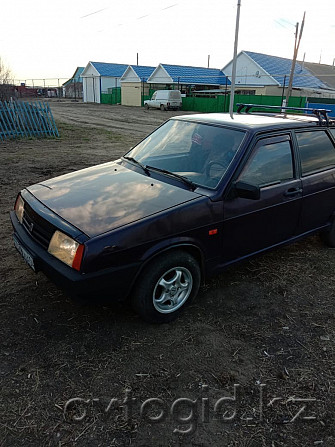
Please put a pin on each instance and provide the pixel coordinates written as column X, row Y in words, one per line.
column 138, row 163
column 173, row 174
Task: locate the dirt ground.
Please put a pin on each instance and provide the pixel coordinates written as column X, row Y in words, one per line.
column 250, row 363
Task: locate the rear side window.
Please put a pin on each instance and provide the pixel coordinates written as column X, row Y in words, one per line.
column 175, row 94
column 317, row 152
column 270, row 163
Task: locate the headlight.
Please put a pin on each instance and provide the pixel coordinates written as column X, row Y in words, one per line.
column 19, row 208
column 66, row 249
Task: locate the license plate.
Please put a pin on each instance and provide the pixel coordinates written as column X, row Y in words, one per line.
column 25, row 254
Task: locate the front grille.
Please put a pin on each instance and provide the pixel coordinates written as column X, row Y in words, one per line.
column 40, row 229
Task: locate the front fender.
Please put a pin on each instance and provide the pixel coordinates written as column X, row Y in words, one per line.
column 177, row 242
column 182, row 243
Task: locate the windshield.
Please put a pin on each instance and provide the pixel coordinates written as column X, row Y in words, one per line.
column 201, row 153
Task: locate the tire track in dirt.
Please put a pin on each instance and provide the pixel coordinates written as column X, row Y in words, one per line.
column 125, row 120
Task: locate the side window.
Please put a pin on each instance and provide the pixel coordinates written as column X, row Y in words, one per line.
column 317, row 152
column 154, row 96
column 270, row 163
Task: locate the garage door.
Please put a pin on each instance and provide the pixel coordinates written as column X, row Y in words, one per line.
column 92, row 89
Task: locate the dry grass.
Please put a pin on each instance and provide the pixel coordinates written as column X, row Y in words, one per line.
column 266, row 325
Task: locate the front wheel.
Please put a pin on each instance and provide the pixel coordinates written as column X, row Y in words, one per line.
column 162, row 107
column 165, row 286
column 328, row 236
column 146, row 106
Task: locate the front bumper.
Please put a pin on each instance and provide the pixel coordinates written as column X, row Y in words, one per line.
column 112, row 283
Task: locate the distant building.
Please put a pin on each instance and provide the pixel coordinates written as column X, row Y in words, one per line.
column 325, row 73
column 134, row 85
column 100, row 77
column 262, row 74
column 73, row 88
column 186, row 78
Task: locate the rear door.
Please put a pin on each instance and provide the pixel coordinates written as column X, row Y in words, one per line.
column 253, row 225
column 317, row 156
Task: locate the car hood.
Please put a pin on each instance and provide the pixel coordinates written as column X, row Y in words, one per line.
column 107, row 196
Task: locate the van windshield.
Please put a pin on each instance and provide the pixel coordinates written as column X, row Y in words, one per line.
column 200, row 152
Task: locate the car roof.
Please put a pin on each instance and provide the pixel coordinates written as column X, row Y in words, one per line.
column 252, row 121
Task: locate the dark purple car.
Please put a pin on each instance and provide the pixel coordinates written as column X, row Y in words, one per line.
column 198, row 194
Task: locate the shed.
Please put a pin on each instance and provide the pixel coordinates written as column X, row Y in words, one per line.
column 99, row 78
column 187, row 78
column 134, row 84
column 73, row 87
column 268, row 75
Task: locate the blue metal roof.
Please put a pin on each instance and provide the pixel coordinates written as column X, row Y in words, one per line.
column 143, row 71
column 278, row 67
column 76, row 76
column 106, row 69
column 196, row 75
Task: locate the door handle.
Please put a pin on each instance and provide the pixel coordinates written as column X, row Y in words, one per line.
column 292, row 192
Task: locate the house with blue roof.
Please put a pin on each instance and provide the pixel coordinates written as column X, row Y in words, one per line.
column 73, row 87
column 134, row 84
column 186, row 78
column 268, row 75
column 99, row 78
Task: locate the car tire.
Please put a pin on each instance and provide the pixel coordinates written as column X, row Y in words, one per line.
column 162, row 107
column 146, row 106
column 328, row 236
column 165, row 286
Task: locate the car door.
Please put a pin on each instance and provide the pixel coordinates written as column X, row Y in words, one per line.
column 254, row 225
column 317, row 157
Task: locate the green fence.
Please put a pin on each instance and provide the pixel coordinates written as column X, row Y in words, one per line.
column 207, row 105
column 321, row 100
column 112, row 97
column 221, row 102
column 144, row 98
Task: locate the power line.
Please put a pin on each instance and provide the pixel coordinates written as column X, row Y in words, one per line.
column 92, row 13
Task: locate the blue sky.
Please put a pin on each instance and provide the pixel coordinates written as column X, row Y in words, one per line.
column 46, row 39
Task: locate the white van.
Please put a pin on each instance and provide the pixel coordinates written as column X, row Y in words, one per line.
column 164, row 100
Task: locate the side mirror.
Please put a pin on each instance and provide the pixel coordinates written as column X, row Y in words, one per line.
column 247, row 191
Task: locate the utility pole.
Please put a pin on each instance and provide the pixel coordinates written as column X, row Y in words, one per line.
column 233, row 75
column 294, row 60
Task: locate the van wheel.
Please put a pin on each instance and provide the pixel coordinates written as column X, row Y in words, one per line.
column 162, row 107
column 147, row 107
column 165, row 286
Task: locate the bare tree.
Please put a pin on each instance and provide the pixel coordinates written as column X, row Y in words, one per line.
column 7, row 88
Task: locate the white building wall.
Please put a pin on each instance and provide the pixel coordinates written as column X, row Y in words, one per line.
column 109, row 82
column 130, row 76
column 160, row 77
column 248, row 72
